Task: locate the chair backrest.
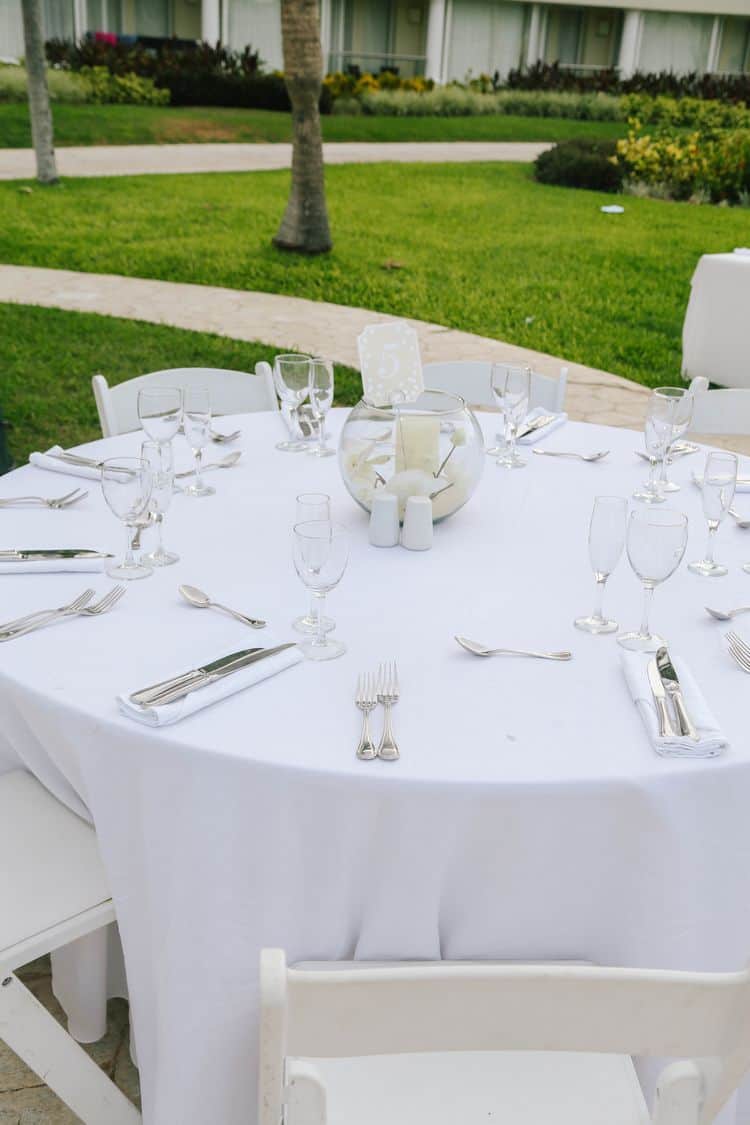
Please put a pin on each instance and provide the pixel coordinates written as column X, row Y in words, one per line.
column 725, row 411
column 439, row 1006
column 232, row 392
column 471, row 380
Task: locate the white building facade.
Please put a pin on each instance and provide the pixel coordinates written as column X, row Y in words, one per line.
column 444, row 39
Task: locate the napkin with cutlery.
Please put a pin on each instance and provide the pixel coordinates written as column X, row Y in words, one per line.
column 41, row 565
column 555, row 421
column 47, row 461
column 167, row 713
column 711, row 739
column 743, row 483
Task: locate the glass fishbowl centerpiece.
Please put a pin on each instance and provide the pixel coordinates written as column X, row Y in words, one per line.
column 430, row 447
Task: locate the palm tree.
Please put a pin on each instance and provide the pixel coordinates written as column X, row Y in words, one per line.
column 36, row 74
column 305, row 223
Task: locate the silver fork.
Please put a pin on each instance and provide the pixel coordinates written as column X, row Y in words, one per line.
column 366, row 700
column 106, row 603
column 739, row 650
column 388, row 695
column 43, row 615
column 221, row 438
column 65, row 501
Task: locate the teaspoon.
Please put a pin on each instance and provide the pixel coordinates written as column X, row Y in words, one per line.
column 197, row 598
column 480, row 650
column 578, row 456
column 726, row 615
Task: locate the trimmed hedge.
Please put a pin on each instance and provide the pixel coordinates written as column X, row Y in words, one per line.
column 550, row 76
column 581, row 163
column 455, row 101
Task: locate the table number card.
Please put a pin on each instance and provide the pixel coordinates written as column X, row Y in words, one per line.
column 390, row 363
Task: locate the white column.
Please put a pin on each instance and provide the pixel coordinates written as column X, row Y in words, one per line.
column 630, row 43
column 435, row 47
column 210, row 21
column 325, row 31
column 79, row 18
column 535, row 44
column 714, row 47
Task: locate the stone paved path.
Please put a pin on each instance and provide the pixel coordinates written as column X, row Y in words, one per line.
column 135, row 160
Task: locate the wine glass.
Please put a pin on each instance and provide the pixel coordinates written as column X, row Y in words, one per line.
column 606, row 541
column 510, row 386
column 160, row 412
column 655, row 542
column 683, row 413
column 126, row 486
column 197, row 424
column 657, row 435
column 312, row 506
column 719, row 483
column 321, row 400
column 321, row 552
column 160, row 459
column 291, row 376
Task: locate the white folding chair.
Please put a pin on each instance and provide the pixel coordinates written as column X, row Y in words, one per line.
column 722, row 411
column 471, row 380
column 53, row 891
column 232, row 392
column 445, row 1043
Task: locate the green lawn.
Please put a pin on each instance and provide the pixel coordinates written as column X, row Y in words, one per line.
column 127, row 124
column 481, row 247
column 49, row 356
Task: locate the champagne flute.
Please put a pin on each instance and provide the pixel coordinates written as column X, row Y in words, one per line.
column 321, row 400
column 606, row 541
column 312, row 506
column 197, row 424
column 510, row 386
column 656, row 541
column 657, row 435
column 321, row 552
column 291, row 376
column 160, row 459
column 683, row 413
column 160, row 412
column 126, row 487
column 719, row 483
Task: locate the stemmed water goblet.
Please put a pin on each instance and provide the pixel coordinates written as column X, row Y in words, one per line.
column 683, row 413
column 160, row 412
column 510, row 386
column 321, row 552
column 719, row 483
column 657, row 436
column 160, row 459
column 126, row 487
column 197, row 425
column 312, row 506
column 321, row 400
column 291, row 376
column 655, row 543
column 606, row 541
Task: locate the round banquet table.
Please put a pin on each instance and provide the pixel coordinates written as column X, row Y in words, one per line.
column 528, row 817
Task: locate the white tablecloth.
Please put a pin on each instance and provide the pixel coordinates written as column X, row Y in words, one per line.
column 527, row 818
column 716, row 330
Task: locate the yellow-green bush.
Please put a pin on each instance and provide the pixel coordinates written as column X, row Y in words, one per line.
column 700, row 166
column 708, row 116
column 126, row 89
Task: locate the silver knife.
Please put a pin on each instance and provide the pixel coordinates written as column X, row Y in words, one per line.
column 666, row 730
column 171, row 690
column 671, row 682
column 21, row 554
column 537, row 424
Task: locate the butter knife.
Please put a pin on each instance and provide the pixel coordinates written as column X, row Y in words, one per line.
column 666, row 730
column 671, row 682
column 537, row 424
column 21, row 554
column 171, row 690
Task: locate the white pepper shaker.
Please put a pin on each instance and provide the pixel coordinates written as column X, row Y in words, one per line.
column 416, row 534
column 384, row 520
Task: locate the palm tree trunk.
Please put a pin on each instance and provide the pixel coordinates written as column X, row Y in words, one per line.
column 36, row 73
column 305, row 223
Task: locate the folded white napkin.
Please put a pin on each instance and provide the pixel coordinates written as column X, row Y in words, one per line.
column 712, row 740
column 52, row 566
column 213, row 693
column 743, row 483
column 543, row 431
column 44, row 461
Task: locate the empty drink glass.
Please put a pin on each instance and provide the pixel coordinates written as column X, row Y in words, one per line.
column 606, row 541
column 321, row 552
column 683, row 413
column 160, row 412
column 197, row 424
column 291, row 376
column 160, row 459
column 312, row 506
column 321, row 400
column 126, row 486
column 510, row 386
column 657, row 435
column 655, row 542
column 719, row 483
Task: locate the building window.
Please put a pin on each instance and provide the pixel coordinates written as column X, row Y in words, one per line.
column 675, row 42
column 734, row 52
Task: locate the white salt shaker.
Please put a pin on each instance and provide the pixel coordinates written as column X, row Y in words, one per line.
column 384, row 520
column 416, row 533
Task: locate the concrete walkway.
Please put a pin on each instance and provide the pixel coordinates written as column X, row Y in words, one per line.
column 296, row 324
column 136, row 160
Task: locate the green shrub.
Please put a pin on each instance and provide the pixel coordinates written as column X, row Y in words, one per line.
column 581, row 164
column 121, row 89
column 706, row 115
column 699, row 167
column 456, row 101
column 63, row 86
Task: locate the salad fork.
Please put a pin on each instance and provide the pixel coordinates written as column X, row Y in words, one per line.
column 65, row 501
column 739, row 650
column 42, row 616
column 78, row 608
column 366, row 700
column 388, row 695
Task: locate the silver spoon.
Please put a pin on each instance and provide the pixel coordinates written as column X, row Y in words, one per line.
column 578, row 456
column 479, row 650
column 726, row 615
column 740, row 521
column 197, row 598
column 219, row 438
column 225, row 463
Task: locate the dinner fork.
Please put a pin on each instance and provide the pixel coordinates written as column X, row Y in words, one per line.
column 221, row 438
column 106, row 603
column 43, row 615
column 366, row 700
column 65, row 501
column 739, row 650
column 388, row 694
